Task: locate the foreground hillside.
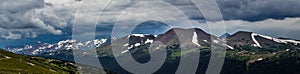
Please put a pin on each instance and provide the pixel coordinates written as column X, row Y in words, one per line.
column 13, row 63
column 249, row 62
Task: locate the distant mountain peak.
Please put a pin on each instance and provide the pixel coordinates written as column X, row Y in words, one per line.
column 225, row 35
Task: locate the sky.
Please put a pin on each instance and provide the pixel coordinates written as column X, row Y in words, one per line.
column 29, row 21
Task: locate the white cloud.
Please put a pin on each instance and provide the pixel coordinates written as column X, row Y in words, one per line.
column 32, row 17
column 12, row 36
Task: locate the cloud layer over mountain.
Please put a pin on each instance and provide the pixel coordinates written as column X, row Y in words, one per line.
column 31, row 18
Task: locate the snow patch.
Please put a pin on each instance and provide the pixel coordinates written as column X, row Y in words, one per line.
column 287, row 50
column 51, row 54
column 255, row 41
column 36, row 51
column 79, row 44
column 195, row 39
column 49, row 46
column 205, row 40
column 100, row 41
column 278, row 40
column 28, row 47
column 130, row 47
column 138, row 35
column 259, row 59
column 148, row 41
column 84, row 53
column 7, row 57
column 30, row 63
column 137, row 44
column 125, row 44
column 216, row 41
column 124, row 51
column 230, row 47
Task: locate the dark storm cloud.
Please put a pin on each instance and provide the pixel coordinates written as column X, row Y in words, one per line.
column 247, row 10
column 257, row 10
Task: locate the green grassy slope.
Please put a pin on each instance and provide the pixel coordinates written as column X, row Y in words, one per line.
column 14, row 63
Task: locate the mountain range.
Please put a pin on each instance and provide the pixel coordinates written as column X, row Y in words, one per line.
column 247, row 50
column 238, row 40
column 61, row 45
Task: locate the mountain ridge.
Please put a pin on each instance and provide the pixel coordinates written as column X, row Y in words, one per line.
column 193, row 36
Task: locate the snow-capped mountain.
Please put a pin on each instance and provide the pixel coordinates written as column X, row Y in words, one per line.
column 61, row 45
column 186, row 37
column 193, row 36
column 243, row 38
column 135, row 40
